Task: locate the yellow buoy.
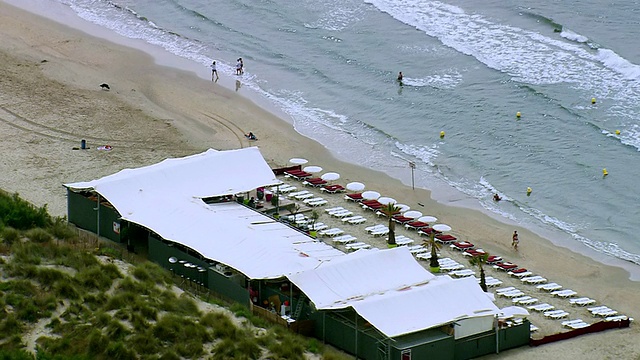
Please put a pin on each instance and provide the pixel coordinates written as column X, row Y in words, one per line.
column 518, row 114
column 529, row 191
column 605, row 172
column 617, row 132
column 441, row 134
column 593, row 100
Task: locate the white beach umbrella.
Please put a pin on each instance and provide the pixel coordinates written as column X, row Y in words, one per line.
column 312, row 169
column 298, row 161
column 414, row 214
column 428, row 219
column 355, row 186
column 386, row 200
column 403, row 207
column 370, row 195
column 441, row 227
column 330, row 176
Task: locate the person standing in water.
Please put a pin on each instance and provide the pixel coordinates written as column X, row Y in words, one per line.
column 214, row 72
column 400, row 76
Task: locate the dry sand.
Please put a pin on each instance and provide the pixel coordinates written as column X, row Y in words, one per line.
column 50, row 100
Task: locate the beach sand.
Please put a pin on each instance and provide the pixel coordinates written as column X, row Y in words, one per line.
column 50, row 99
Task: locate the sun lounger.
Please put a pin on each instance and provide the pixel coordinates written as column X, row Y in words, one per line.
column 424, row 255
column 401, row 219
column 549, row 287
column 463, row 245
column 505, row 289
column 337, row 208
column 511, row 294
column 417, row 249
column 304, row 196
column 319, row 226
column 450, row 265
column 358, row 221
column 563, row 293
column 506, row 266
column 306, row 201
column 528, row 301
column 616, row 318
column 403, row 240
column 357, row 246
column 445, row 238
column 533, row 328
column 297, row 174
column 342, row 214
column 491, row 282
column 349, row 218
column 526, row 297
column 332, row 189
column 578, row 325
column 283, row 189
column 353, row 197
column 344, row 239
column 380, row 232
column 583, row 301
column 556, row 314
column 331, row 232
column 533, row 280
column 375, row 227
column 541, row 307
column 415, row 225
column 294, row 194
column 520, row 274
column 315, row 203
column 473, row 252
column 462, row 273
column 605, row 313
column 597, row 308
column 494, row 259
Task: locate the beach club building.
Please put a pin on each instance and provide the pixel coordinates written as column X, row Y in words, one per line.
column 375, row 304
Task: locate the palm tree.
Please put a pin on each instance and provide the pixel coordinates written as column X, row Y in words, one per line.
column 480, row 260
column 314, row 218
column 433, row 261
column 390, row 210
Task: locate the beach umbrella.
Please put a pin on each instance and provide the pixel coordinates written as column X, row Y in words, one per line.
column 403, row 207
column 355, row 186
column 312, row 169
column 441, row 227
column 428, row 219
column 330, row 176
column 370, row 195
column 414, row 214
column 298, row 161
column 386, row 200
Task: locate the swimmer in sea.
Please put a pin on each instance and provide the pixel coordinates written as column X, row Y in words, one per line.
column 400, row 76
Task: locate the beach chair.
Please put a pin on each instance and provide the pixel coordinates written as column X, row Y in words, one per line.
column 505, row 289
column 462, row 273
column 549, row 287
column 533, row 280
column 356, row 197
column 528, row 301
column 318, row 226
column 557, row 314
column 331, row 232
column 461, row 246
column 318, row 203
column 417, row 249
column 403, row 240
column 505, row 266
column 306, row 201
column 344, row 239
column 533, row 328
column 616, row 318
column 357, row 246
column 374, row 227
column 541, row 307
column 341, row 214
column 380, row 232
column 578, row 325
column 512, row 294
column 349, row 218
column 567, row 323
column 563, row 293
column 597, row 308
column 358, row 221
column 520, row 274
column 337, row 208
column 492, row 282
column 304, row 196
column 583, row 301
column 605, row 313
column 426, row 255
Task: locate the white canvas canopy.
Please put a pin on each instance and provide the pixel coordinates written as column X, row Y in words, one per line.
column 338, row 283
column 166, row 199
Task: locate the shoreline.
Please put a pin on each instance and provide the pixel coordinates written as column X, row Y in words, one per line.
column 161, row 99
column 439, row 192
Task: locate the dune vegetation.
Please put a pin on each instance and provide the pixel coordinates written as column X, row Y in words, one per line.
column 66, row 295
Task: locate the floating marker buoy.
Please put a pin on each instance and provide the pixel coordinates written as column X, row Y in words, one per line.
column 617, row 132
column 593, row 100
column 441, row 134
column 529, row 191
column 518, row 114
column 605, row 172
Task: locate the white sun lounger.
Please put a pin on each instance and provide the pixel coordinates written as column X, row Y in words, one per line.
column 462, row 273
column 451, row 267
column 520, row 275
column 380, row 232
column 374, row 227
column 491, row 282
column 358, row 221
column 597, row 308
column 528, row 301
column 563, row 293
column 341, row 213
column 512, row 294
column 533, row 280
column 515, row 300
column 318, row 226
column 283, row 189
column 349, row 218
column 331, row 232
column 403, row 240
column 357, row 246
column 533, row 328
column 549, row 287
column 294, row 194
column 559, row 315
column 616, row 318
column 424, row 255
column 306, row 201
column 541, row 307
column 583, row 301
column 318, row 203
column 578, row 325
column 337, row 208
column 505, row 289
column 552, row 312
column 344, row 239
column 417, row 249
column 605, row 313
column 304, row 196
column 566, row 323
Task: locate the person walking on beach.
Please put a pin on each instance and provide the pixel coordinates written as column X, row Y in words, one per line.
column 214, row 72
column 515, row 240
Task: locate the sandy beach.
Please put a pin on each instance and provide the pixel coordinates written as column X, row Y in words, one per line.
column 50, row 99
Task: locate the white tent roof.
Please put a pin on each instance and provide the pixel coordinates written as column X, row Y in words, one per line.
column 165, row 198
column 342, row 281
column 441, row 301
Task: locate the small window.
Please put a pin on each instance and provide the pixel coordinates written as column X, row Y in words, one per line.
column 406, row 354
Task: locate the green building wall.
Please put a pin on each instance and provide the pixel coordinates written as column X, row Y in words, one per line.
column 81, row 211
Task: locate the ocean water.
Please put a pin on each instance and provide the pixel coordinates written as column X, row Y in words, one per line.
column 469, row 66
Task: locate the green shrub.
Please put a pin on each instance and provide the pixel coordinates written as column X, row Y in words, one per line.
column 241, row 349
column 48, row 276
column 10, row 325
column 12, row 353
column 97, row 343
column 61, row 229
column 286, row 346
column 116, row 331
column 93, row 278
column 21, row 214
column 145, row 343
column 39, row 235
column 222, row 327
column 119, row 350
column 66, row 290
column 314, row 346
column 10, row 235
column 185, row 305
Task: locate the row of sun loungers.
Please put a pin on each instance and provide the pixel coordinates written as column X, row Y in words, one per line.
column 602, row 311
